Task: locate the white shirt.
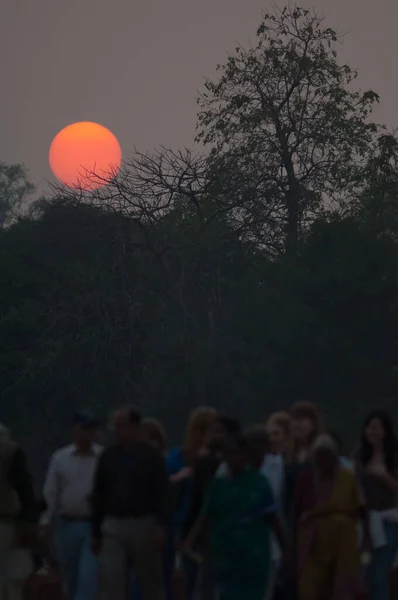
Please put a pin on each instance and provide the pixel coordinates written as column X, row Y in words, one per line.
column 69, row 483
column 273, row 468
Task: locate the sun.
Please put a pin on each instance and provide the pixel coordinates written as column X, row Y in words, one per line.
column 85, row 156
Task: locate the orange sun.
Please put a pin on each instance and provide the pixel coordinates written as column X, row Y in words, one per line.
column 85, row 156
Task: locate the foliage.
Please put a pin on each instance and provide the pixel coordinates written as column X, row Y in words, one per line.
column 285, row 124
column 15, row 189
column 377, row 201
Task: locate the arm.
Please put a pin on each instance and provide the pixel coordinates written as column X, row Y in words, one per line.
column 195, row 503
column 202, row 521
column 21, row 480
column 51, row 492
column 196, row 530
column 279, row 531
column 98, row 496
column 390, row 481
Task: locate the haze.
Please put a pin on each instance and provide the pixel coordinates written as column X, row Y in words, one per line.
column 135, row 66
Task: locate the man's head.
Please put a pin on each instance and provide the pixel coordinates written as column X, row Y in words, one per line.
column 126, row 424
column 84, row 429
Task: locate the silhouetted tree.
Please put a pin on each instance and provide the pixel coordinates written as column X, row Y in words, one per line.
column 286, row 128
column 15, row 189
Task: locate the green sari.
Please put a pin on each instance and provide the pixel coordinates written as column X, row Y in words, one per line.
column 236, row 508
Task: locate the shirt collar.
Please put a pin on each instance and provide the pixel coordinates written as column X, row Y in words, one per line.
column 95, row 450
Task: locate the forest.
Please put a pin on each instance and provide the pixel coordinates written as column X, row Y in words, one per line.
column 255, row 269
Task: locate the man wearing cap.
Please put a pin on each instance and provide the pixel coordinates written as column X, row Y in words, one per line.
column 66, row 493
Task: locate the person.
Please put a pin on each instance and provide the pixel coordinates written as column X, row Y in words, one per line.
column 328, row 505
column 206, row 464
column 180, row 463
column 278, row 427
column 130, row 509
column 18, row 518
column 306, row 425
column 377, row 468
column 154, row 432
column 66, row 519
column 270, row 466
column 239, row 510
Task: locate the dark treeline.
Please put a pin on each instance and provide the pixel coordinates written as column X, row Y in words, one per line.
column 261, row 272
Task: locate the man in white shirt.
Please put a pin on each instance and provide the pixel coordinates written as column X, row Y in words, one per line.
column 66, row 492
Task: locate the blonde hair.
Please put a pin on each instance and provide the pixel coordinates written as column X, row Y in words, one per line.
column 198, row 424
column 154, row 431
column 307, row 410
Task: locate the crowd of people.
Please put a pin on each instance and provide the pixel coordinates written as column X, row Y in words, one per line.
column 275, row 512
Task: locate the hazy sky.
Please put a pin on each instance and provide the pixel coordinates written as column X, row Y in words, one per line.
column 135, row 66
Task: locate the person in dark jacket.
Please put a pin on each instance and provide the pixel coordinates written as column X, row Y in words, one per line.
column 19, row 514
column 130, row 511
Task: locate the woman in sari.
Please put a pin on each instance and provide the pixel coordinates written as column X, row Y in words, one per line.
column 328, row 505
column 240, row 511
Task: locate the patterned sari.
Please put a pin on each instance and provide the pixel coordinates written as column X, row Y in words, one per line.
column 329, row 565
column 236, row 508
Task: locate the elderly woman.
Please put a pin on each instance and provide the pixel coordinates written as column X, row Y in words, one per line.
column 328, row 505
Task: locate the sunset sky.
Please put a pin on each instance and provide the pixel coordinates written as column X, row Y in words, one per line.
column 135, row 66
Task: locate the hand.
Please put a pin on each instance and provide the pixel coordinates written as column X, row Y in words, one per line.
column 182, row 475
column 378, row 470
column 160, row 537
column 96, row 545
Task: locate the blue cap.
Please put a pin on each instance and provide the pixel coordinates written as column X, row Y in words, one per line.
column 85, row 418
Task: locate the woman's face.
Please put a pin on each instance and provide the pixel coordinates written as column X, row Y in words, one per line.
column 302, row 428
column 374, row 432
column 277, row 438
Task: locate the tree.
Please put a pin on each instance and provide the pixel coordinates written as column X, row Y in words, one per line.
column 15, row 188
column 376, row 202
column 285, row 128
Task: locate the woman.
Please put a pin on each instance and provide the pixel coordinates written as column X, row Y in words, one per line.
column 377, row 469
column 261, row 453
column 278, row 430
column 154, row 432
column 205, row 466
column 328, row 505
column 180, row 462
column 240, row 511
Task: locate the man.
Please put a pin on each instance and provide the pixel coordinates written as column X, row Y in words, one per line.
column 18, row 519
column 130, row 511
column 66, row 493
